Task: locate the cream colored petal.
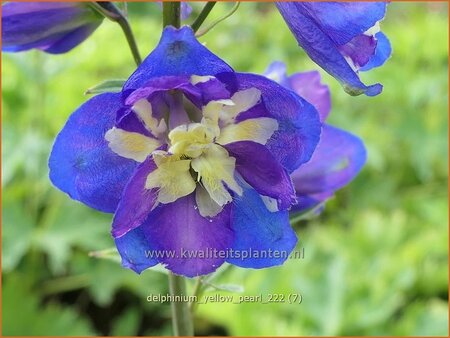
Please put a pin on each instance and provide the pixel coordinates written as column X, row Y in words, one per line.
column 173, row 180
column 130, row 145
column 270, row 203
column 207, row 207
column 200, row 79
column 214, row 168
column 143, row 110
column 190, row 140
column 258, row 130
column 243, row 101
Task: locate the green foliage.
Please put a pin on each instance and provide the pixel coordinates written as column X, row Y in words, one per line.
column 375, row 261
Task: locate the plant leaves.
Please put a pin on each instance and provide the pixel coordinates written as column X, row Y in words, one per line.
column 108, row 86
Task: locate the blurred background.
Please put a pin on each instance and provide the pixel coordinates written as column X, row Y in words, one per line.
column 376, row 261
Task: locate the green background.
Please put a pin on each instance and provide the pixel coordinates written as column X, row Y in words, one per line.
column 376, row 261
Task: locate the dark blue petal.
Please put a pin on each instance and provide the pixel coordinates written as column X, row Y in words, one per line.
column 260, row 169
column 321, row 32
column 27, row 25
column 298, row 121
column 382, row 52
column 178, row 53
column 81, row 163
column 259, row 232
column 71, row 39
column 187, row 243
column 338, row 158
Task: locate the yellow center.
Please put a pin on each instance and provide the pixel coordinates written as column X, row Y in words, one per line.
column 196, row 159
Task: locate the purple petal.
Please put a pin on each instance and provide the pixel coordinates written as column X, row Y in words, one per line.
column 178, row 53
column 178, row 229
column 382, row 53
column 266, row 237
column 46, row 25
column 163, row 84
column 81, row 163
column 299, row 125
column 360, row 49
column 136, row 202
column 339, row 157
column 260, row 169
column 186, row 10
column 308, row 86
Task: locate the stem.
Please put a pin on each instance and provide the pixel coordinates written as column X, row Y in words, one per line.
column 202, row 16
column 171, row 14
column 198, row 290
column 110, row 11
column 181, row 316
column 212, row 25
column 123, row 23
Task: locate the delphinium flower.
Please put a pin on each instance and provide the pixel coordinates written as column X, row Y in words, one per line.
column 189, row 156
column 53, row 27
column 339, row 156
column 341, row 37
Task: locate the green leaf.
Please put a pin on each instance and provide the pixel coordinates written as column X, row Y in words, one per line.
column 23, row 315
column 111, row 86
column 127, row 323
column 227, row 287
column 17, row 236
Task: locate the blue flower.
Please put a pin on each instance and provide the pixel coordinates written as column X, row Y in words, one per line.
column 54, row 27
column 193, row 159
column 338, row 157
column 341, row 37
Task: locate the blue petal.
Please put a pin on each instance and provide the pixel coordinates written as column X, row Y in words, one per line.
column 134, row 249
column 186, row 243
column 320, row 33
column 338, row 158
column 178, row 53
column 81, row 163
column 259, row 232
column 382, row 53
column 342, row 21
column 298, row 121
column 27, row 25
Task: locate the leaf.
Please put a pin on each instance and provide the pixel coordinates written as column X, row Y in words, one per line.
column 17, row 235
column 23, row 315
column 227, row 287
column 127, row 323
column 111, row 86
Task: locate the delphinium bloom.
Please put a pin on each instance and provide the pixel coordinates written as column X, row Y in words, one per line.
column 191, row 157
column 338, row 157
column 53, row 27
column 341, row 37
